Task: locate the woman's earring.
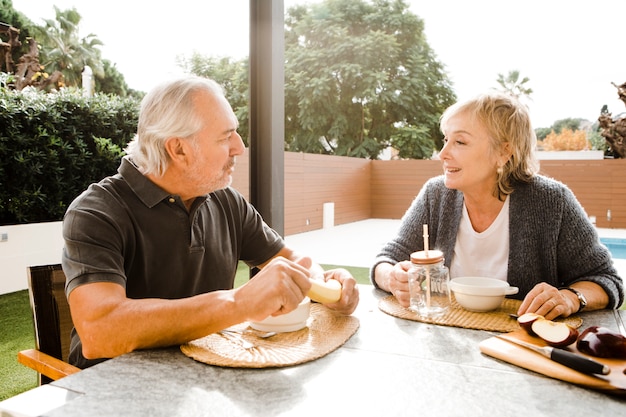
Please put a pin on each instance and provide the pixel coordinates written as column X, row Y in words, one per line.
column 499, row 170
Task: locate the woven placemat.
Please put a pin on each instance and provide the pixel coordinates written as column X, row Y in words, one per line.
column 326, row 331
column 496, row 321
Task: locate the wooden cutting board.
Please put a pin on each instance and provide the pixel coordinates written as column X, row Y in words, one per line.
column 613, row 383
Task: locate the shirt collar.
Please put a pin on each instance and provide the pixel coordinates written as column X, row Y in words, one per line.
column 147, row 191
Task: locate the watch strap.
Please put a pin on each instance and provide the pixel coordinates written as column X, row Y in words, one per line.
column 581, row 297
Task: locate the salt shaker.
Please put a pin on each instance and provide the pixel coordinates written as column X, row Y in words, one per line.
column 429, row 284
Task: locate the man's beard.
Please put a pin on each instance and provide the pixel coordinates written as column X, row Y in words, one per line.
column 224, row 180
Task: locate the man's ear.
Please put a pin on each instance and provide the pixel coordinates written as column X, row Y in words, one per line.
column 177, row 149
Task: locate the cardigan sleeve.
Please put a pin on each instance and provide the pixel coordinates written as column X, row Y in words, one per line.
column 582, row 257
column 553, row 241
column 435, row 205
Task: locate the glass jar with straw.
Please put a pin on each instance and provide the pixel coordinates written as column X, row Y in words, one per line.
column 429, row 282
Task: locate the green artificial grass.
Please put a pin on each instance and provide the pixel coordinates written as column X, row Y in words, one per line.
column 360, row 274
column 16, row 328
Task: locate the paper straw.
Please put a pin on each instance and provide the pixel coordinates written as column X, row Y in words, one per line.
column 426, row 267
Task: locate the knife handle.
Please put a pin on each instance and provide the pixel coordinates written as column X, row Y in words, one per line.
column 578, row 362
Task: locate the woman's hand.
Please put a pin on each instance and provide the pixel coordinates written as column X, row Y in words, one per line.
column 395, row 279
column 548, row 301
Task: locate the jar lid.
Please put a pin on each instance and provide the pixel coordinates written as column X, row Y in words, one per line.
column 421, row 257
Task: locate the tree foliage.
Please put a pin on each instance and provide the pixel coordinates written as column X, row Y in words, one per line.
column 12, row 17
column 558, row 126
column 63, row 50
column 360, row 77
column 569, row 123
column 513, row 85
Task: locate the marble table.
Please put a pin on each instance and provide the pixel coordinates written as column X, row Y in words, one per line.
column 390, row 367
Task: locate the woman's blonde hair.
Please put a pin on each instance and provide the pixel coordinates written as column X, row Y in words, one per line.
column 167, row 111
column 507, row 121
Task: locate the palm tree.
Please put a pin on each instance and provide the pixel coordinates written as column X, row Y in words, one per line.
column 512, row 85
column 63, row 50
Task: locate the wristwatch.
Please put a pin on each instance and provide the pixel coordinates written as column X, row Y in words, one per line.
column 581, row 297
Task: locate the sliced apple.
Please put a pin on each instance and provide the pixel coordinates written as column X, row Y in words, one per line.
column 557, row 334
column 526, row 322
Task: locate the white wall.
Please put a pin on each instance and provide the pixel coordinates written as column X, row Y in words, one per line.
column 27, row 245
column 543, row 155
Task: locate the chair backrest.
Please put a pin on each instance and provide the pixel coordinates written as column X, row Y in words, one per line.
column 51, row 312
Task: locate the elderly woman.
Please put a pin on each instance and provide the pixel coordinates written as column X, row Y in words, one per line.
column 491, row 214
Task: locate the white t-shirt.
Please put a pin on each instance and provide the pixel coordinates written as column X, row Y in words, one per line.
column 484, row 254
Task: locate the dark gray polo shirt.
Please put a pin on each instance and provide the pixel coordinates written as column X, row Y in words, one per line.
column 127, row 230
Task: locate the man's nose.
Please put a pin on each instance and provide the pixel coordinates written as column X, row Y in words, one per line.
column 238, row 145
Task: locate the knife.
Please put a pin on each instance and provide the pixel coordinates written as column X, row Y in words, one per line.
column 564, row 357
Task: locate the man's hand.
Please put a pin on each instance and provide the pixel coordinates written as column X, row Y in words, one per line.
column 277, row 289
column 349, row 291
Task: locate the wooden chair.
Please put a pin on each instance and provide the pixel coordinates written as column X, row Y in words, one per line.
column 53, row 324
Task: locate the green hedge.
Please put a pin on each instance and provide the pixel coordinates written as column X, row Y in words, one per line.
column 53, row 145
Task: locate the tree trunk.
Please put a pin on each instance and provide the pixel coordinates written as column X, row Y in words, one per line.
column 614, row 131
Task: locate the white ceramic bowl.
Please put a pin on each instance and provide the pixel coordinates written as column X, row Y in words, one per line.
column 480, row 293
column 290, row 322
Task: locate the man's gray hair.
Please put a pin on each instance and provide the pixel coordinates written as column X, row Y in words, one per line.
column 167, row 111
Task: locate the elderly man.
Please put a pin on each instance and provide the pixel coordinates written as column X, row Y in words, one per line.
column 151, row 253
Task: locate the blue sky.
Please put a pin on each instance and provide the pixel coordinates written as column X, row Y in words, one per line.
column 568, row 48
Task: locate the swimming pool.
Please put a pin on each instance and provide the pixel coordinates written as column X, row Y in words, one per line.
column 616, row 246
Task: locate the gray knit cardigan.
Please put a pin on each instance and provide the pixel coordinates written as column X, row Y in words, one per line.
column 550, row 237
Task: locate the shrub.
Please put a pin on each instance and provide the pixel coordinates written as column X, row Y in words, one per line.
column 52, row 146
column 598, row 142
column 566, row 140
